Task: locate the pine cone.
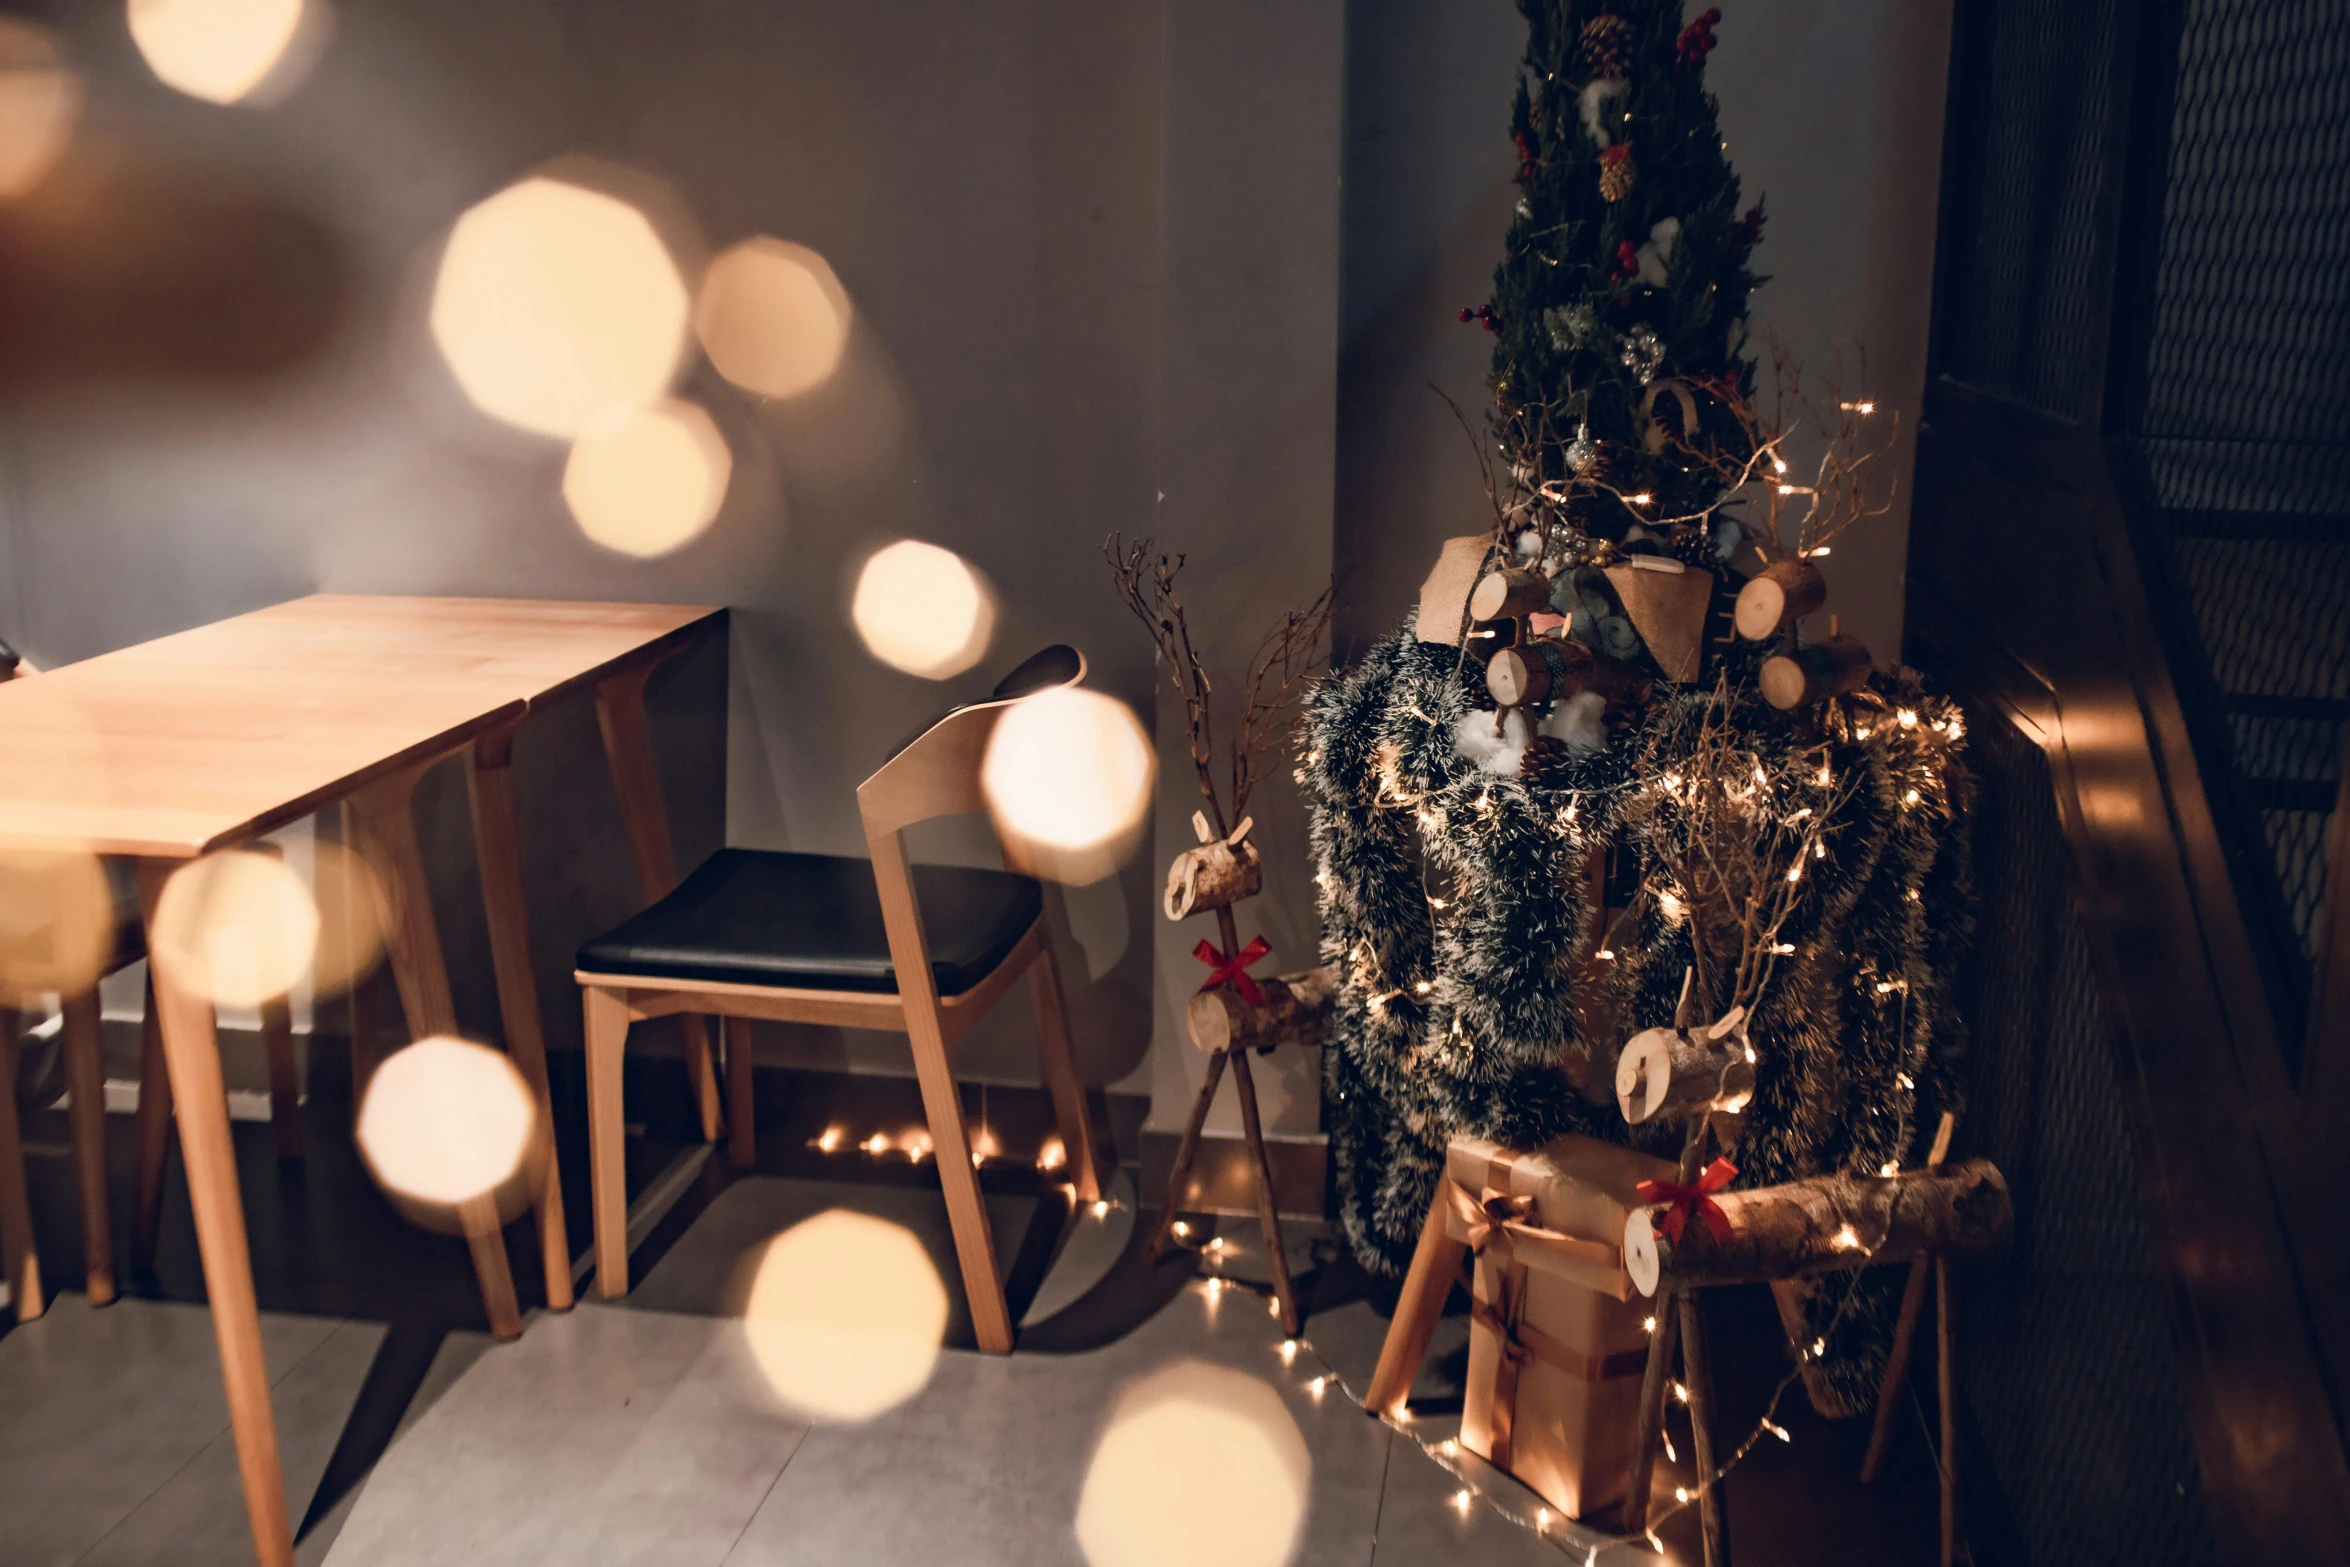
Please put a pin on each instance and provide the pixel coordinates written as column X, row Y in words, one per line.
column 1607, row 44
column 1545, row 762
column 1615, row 172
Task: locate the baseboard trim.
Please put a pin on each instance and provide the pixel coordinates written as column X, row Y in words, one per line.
column 1223, row 1183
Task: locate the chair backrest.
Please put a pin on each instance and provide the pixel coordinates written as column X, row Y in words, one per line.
column 937, row 772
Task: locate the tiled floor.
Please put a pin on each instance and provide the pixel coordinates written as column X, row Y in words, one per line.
column 643, row 1433
column 650, row 1436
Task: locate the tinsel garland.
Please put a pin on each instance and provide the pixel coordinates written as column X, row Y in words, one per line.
column 1456, row 906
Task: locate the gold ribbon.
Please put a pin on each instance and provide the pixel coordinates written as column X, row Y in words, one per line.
column 1497, row 1225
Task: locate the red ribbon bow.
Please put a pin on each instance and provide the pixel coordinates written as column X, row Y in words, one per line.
column 1233, row 970
column 1687, row 1200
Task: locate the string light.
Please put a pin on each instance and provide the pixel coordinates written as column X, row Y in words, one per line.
column 1182, row 1228
column 1863, row 409
column 1648, row 1324
column 830, row 1141
column 1845, row 1239
column 1288, row 1351
column 1779, row 1431
column 1101, row 1209
column 1460, row 1500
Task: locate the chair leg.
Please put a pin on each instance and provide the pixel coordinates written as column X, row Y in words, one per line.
column 1060, row 1073
column 742, row 1131
column 152, row 1130
column 1268, row 1210
column 607, row 1040
column 18, row 1257
column 85, row 1079
column 942, row 1105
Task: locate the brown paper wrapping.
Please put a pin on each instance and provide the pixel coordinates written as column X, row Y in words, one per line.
column 1559, row 1412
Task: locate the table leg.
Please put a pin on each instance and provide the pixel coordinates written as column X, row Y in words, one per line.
column 497, row 848
column 628, row 747
column 18, row 1256
column 387, row 834
column 192, row 1055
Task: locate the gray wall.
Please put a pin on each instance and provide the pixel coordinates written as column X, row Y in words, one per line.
column 217, row 394
column 1833, row 112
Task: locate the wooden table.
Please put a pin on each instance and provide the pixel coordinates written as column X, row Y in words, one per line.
column 196, row 742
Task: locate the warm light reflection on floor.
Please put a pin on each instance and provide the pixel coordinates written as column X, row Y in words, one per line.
column 1190, row 1432
column 447, row 1123
column 1068, row 779
column 650, row 483
column 844, row 1315
column 56, row 923
column 923, row 609
column 229, row 51
column 237, row 927
column 40, row 99
column 558, row 308
column 772, row 317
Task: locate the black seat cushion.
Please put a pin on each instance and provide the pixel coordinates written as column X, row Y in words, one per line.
column 813, row 922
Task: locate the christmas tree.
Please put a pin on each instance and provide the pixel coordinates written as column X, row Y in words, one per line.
column 1620, row 303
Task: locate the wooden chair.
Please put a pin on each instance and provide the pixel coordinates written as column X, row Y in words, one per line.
column 878, row 944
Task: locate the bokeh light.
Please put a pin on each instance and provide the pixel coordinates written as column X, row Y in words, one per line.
column 1191, row 1431
column 40, row 99
column 844, row 1315
column 57, row 922
column 923, row 609
column 1068, row 778
column 237, row 927
column 558, row 308
column 447, row 1123
column 650, row 483
column 773, row 317
column 229, row 51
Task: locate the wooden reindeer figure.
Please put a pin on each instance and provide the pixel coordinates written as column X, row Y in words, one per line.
column 1234, row 1012
column 1692, row 1073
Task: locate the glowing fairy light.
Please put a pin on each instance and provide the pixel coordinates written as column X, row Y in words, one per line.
column 876, row 1145
column 831, row 1140
column 1845, row 1238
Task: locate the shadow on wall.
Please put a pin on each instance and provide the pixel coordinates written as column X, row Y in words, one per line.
column 128, row 262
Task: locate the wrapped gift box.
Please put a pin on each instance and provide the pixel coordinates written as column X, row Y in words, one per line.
column 1556, row 1344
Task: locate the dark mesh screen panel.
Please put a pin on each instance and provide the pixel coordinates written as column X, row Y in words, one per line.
column 2244, row 443
column 2027, row 321
column 2066, row 1355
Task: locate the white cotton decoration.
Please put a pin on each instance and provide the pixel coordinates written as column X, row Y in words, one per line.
column 1576, row 721
column 1475, row 740
column 1594, row 104
column 1656, row 256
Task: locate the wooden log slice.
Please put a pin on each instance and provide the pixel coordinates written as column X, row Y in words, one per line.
column 1824, row 1224
column 1662, row 1074
column 1212, row 876
column 1293, row 1012
column 1521, row 676
column 1510, row 593
column 1811, row 674
column 1784, row 592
